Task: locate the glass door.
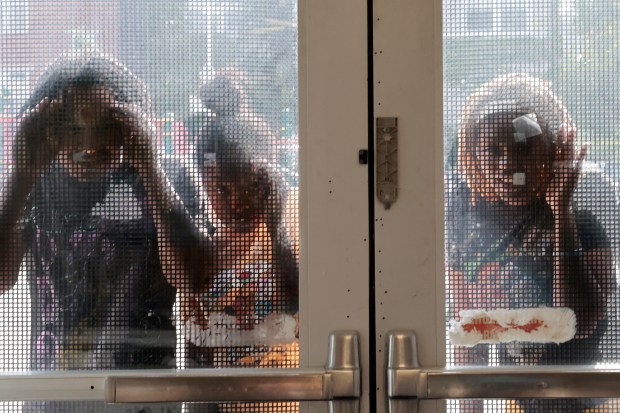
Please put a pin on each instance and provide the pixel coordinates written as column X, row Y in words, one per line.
column 501, row 249
column 182, row 193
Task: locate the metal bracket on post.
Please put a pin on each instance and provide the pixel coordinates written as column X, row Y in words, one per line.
column 343, row 364
column 386, row 148
column 403, row 372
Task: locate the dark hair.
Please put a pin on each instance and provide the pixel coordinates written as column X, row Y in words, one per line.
column 515, row 94
column 232, row 137
column 89, row 70
column 221, row 96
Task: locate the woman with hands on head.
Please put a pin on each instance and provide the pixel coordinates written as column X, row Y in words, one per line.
column 513, row 238
column 79, row 198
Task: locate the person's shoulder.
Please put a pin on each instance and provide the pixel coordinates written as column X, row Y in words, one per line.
column 596, row 207
column 595, row 187
column 458, row 196
column 458, row 212
column 181, row 176
column 592, row 233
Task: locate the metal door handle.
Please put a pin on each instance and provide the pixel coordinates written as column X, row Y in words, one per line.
column 339, row 379
column 407, row 382
column 338, row 382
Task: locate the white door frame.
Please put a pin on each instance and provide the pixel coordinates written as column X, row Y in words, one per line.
column 334, row 186
column 407, row 82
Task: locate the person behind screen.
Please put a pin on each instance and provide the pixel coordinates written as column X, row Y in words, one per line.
column 513, row 238
column 235, row 267
column 75, row 200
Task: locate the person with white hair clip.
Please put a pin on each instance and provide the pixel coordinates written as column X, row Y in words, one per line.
column 514, row 238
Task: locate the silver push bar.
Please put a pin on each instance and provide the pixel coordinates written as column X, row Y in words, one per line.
column 339, row 380
column 406, row 381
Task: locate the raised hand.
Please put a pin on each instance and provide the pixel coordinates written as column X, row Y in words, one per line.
column 137, row 134
column 565, row 175
column 38, row 141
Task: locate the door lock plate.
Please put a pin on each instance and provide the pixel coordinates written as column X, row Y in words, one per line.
column 386, row 147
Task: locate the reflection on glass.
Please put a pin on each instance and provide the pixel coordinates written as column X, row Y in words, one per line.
column 75, row 201
column 543, row 235
column 515, row 239
column 230, row 254
column 530, row 265
column 94, row 278
column 148, row 216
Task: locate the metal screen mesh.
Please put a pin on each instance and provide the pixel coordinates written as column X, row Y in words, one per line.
column 531, row 115
column 148, row 216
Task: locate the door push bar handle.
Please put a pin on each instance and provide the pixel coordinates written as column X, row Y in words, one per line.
column 338, row 382
column 407, row 382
